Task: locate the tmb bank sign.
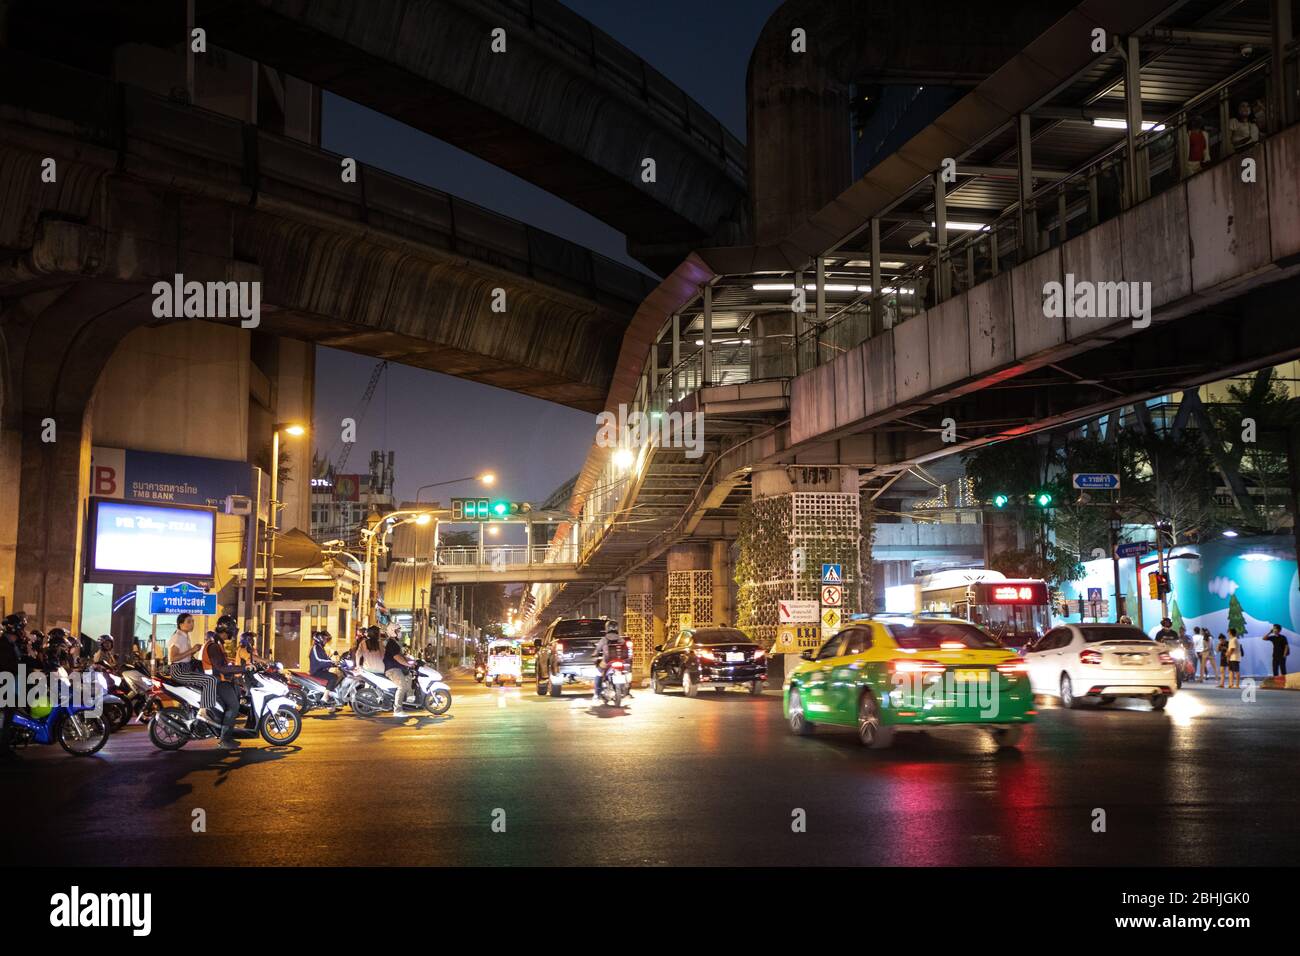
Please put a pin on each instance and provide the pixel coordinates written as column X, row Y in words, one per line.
column 166, row 479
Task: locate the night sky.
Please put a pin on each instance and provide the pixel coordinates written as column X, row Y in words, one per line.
column 442, row 427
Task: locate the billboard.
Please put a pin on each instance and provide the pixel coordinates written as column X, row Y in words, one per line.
column 131, row 475
column 131, row 539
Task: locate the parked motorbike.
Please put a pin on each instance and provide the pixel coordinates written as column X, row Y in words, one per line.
column 78, row 727
column 133, row 688
column 271, row 713
column 373, row 693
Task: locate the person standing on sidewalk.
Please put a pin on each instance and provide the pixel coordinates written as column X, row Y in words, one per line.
column 1234, row 658
column 1223, row 657
column 1281, row 648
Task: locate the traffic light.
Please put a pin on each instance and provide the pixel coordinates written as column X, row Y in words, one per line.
column 1000, row 500
column 1157, row 585
column 484, row 509
column 1042, row 499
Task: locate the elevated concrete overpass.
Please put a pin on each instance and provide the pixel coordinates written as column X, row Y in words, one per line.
column 385, row 267
column 564, row 107
column 925, row 312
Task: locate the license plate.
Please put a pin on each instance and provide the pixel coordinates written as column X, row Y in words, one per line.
column 971, row 675
column 734, row 657
column 619, row 677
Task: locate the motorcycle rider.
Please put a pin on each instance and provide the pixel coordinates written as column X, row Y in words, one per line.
column 396, row 669
column 186, row 671
column 602, row 662
column 12, row 631
column 245, row 656
column 214, row 656
column 320, row 664
column 106, row 656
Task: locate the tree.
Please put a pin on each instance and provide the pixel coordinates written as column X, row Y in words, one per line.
column 1236, row 616
column 1175, row 616
column 1056, row 568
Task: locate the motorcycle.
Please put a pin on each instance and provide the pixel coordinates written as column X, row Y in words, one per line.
column 614, row 686
column 480, row 672
column 271, row 713
column 310, row 692
column 79, row 728
column 375, row 692
column 133, row 686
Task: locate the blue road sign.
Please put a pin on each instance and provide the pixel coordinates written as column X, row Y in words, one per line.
column 831, row 574
column 181, row 598
column 1134, row 549
column 1096, row 481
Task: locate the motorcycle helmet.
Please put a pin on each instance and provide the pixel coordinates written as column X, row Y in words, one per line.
column 227, row 625
column 13, row 624
column 246, row 640
column 57, row 635
column 106, row 641
column 320, row 637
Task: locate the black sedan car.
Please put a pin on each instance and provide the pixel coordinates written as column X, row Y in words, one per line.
column 709, row 657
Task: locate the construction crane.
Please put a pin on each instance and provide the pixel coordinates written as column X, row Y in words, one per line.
column 375, row 375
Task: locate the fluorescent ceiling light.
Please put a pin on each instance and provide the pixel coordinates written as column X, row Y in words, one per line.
column 1106, row 123
column 963, row 226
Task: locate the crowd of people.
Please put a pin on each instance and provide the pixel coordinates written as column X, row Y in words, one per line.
column 1223, row 655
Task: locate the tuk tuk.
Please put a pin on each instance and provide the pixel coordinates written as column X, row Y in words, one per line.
column 504, row 664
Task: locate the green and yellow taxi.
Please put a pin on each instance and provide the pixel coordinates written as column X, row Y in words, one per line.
column 887, row 674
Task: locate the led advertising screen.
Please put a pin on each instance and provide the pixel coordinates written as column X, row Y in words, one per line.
column 134, row 538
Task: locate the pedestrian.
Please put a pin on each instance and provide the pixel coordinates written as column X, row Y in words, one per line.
column 1198, row 146
column 1205, row 647
column 1223, row 657
column 1259, row 116
column 1234, row 658
column 183, row 669
column 1281, row 649
column 1243, row 132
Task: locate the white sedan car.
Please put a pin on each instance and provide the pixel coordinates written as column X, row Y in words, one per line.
column 1100, row 662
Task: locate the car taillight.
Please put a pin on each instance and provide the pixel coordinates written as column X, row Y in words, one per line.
column 913, row 666
column 617, row 665
column 707, row 655
column 1166, row 657
column 1016, row 665
column 1090, row 657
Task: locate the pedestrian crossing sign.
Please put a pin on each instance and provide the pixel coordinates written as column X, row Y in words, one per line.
column 831, row 574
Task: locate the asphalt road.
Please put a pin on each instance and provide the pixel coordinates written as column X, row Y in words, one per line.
column 670, row 781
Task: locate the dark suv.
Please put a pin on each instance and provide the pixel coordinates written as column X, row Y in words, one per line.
column 566, row 653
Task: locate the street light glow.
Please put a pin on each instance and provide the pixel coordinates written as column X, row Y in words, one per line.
column 488, row 478
column 295, row 430
column 623, row 459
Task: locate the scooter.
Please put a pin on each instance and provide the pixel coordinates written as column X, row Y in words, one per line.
column 375, row 692
column 480, row 672
column 79, row 728
column 270, row 712
column 134, row 688
column 310, row 692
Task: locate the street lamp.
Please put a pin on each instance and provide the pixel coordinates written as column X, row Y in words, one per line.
column 488, row 478
column 273, row 521
column 381, row 531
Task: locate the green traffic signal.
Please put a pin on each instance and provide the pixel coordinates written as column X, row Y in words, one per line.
column 1000, row 501
column 500, row 508
column 1043, row 499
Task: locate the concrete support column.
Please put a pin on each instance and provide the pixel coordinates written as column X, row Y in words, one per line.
column 54, row 484
column 720, row 566
column 690, row 586
column 640, row 623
